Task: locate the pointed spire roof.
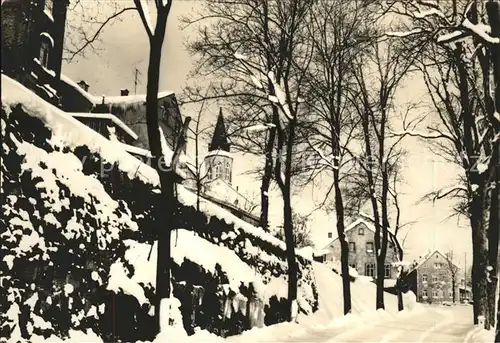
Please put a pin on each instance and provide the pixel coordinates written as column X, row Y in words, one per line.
column 219, row 139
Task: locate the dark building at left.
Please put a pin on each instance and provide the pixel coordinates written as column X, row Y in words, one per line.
column 32, row 43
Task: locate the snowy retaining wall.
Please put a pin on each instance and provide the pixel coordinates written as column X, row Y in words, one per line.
column 75, row 242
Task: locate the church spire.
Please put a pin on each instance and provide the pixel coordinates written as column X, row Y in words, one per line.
column 219, row 139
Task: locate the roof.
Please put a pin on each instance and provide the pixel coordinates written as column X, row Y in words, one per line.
column 219, row 139
column 422, row 259
column 369, row 225
column 107, row 116
column 110, row 100
column 219, row 153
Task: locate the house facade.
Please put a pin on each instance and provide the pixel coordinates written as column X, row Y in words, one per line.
column 431, row 279
column 362, row 256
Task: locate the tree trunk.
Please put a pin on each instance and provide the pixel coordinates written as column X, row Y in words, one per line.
column 290, row 253
column 400, row 298
column 344, row 246
column 284, row 183
column 493, row 11
column 479, row 261
column 164, row 208
column 266, row 178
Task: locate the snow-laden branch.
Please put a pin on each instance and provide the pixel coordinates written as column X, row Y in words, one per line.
column 481, row 30
column 404, row 33
column 450, row 37
column 260, row 127
column 280, row 96
column 323, row 159
column 428, row 13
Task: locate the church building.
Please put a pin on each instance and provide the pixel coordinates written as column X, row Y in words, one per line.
column 217, row 177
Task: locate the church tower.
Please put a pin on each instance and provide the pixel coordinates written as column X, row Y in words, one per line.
column 219, row 162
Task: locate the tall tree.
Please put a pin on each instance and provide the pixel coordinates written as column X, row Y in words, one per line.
column 460, row 48
column 374, row 102
column 337, row 33
column 166, row 170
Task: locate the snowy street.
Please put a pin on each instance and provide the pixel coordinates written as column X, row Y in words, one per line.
column 431, row 324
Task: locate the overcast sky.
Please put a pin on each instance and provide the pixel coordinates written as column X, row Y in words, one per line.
column 124, row 48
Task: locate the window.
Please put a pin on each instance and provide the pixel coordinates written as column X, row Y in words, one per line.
column 387, row 271
column 370, row 269
column 352, row 247
column 361, row 231
column 330, row 235
column 44, row 53
column 424, row 277
column 434, row 278
column 424, row 293
column 49, row 6
column 369, row 246
column 217, row 171
column 227, row 169
column 352, row 265
column 434, row 293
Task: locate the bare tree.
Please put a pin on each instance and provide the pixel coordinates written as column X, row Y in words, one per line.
column 374, row 101
column 337, row 32
column 165, row 208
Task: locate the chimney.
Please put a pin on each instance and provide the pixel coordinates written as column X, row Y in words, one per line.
column 83, row 85
column 124, row 92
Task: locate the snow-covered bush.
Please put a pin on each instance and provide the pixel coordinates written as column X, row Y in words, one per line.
column 60, row 230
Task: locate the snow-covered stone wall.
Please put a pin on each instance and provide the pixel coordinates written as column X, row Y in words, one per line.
column 76, row 240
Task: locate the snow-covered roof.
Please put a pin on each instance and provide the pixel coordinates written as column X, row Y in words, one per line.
column 422, row 259
column 111, row 100
column 368, row 224
column 136, row 150
column 108, row 116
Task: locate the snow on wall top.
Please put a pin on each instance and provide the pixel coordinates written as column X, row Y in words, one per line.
column 74, row 133
column 109, row 116
column 111, row 100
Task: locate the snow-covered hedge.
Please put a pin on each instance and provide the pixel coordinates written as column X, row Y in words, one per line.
column 76, row 241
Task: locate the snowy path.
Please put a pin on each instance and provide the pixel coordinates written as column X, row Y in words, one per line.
column 437, row 324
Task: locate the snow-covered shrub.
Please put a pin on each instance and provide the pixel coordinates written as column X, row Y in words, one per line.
column 60, row 231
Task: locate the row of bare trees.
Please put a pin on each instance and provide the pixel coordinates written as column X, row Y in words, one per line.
column 319, row 80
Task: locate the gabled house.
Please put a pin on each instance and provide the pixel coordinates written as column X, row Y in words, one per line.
column 431, row 278
column 360, row 235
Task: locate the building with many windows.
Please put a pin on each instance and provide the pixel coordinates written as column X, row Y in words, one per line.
column 431, row 278
column 362, row 256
